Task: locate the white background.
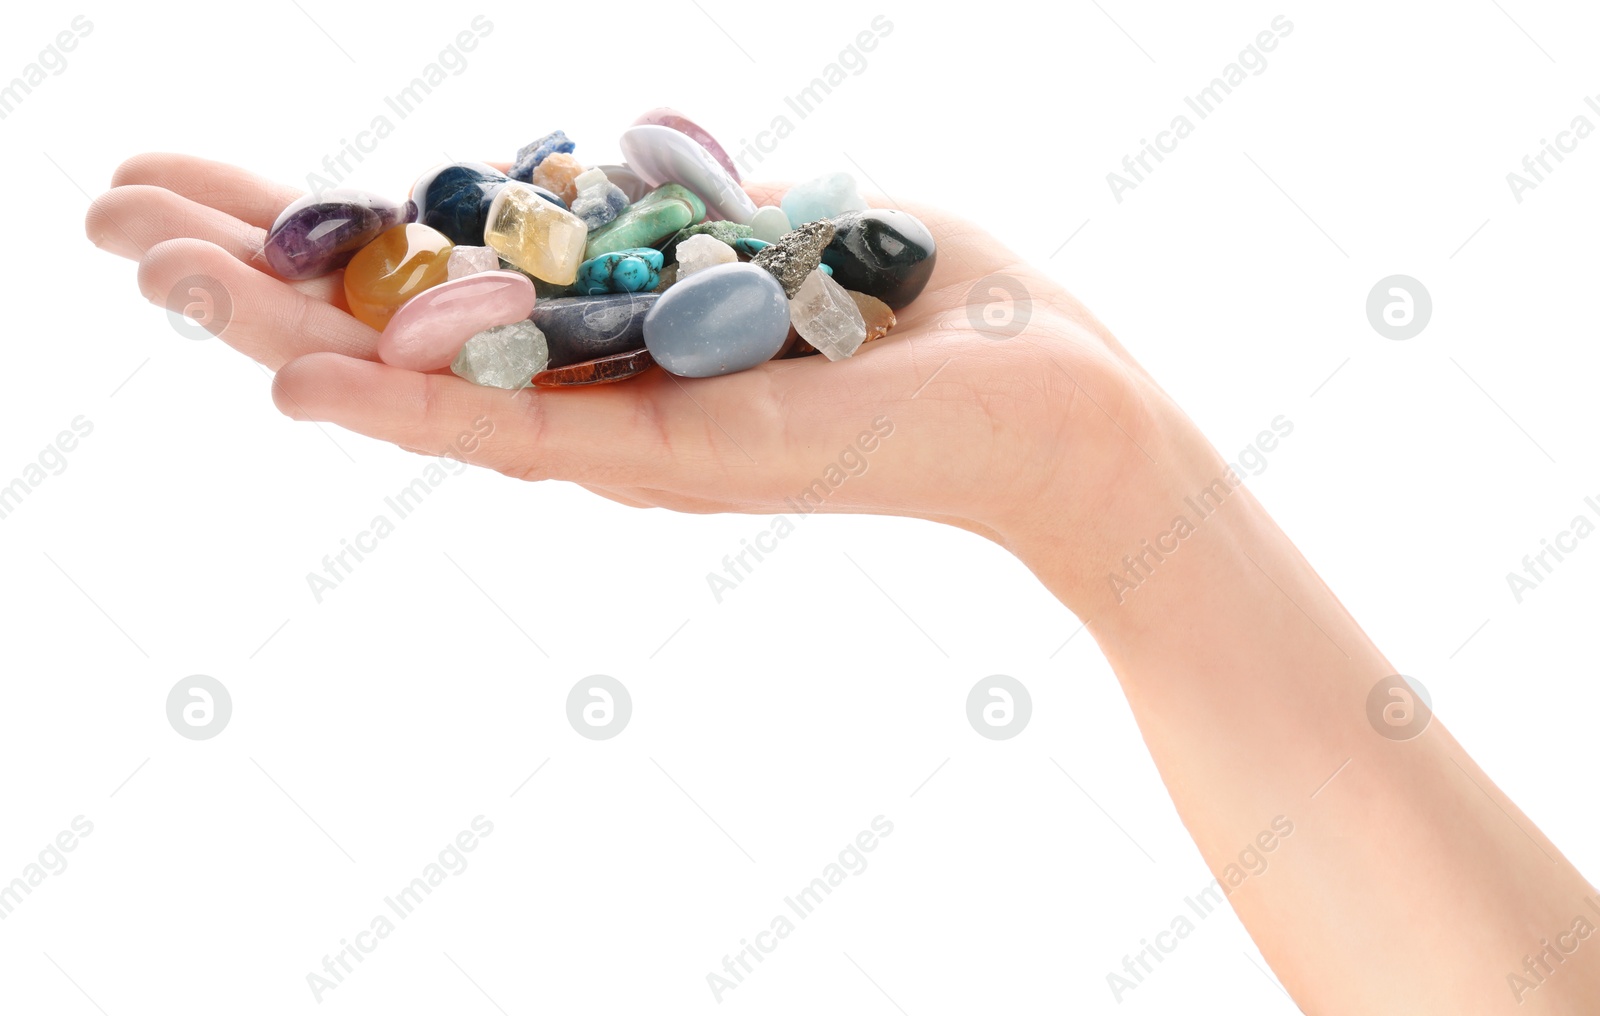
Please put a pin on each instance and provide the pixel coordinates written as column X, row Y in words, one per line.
column 769, row 729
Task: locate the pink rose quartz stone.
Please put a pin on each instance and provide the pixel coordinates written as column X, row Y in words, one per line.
column 430, row 329
column 666, row 116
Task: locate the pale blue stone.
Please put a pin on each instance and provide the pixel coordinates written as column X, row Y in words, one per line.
column 822, row 198
column 717, row 321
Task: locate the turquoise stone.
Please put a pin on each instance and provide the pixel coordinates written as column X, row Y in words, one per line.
column 648, row 221
column 717, row 321
column 634, row 270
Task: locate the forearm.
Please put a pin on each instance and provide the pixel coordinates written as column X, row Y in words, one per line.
column 1410, row 884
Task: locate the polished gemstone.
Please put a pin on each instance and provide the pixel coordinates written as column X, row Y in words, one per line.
column 580, row 328
column 702, row 251
column 402, row 262
column 634, row 270
column 536, row 236
column 825, row 316
column 648, row 221
column 769, row 223
column 796, row 254
column 430, row 329
column 454, row 199
column 320, row 233
column 505, row 356
column 663, row 155
column 556, row 175
column 882, row 252
column 534, row 152
column 466, row 261
column 597, row 199
column 822, row 198
column 597, row 372
column 721, row 320
column 666, row 116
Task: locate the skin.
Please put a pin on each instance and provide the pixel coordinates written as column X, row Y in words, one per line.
column 1409, row 885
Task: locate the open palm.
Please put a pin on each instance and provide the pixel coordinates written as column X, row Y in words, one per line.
column 979, row 421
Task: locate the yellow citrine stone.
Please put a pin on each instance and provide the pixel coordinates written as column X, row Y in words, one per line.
column 402, row 262
column 537, row 236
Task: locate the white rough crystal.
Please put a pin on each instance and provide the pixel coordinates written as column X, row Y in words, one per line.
column 598, row 200
column 471, row 260
column 825, row 316
column 506, row 356
column 702, row 251
column 769, row 223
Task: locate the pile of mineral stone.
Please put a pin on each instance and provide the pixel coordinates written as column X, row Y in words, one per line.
column 557, row 273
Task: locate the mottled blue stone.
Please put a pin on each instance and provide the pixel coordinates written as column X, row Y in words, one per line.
column 534, row 152
column 454, row 199
column 583, row 328
column 625, row 271
column 717, row 321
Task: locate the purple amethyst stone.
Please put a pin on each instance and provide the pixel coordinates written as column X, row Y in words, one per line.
column 320, row 233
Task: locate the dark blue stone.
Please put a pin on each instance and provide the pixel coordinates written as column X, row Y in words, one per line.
column 582, row 328
column 455, row 198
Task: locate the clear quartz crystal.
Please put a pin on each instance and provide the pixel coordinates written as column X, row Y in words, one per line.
column 825, row 316
column 506, row 356
column 700, row 252
column 466, row 261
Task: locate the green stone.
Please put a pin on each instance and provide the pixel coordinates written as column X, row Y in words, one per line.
column 648, row 221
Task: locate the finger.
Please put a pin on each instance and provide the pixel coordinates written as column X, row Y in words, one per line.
column 626, row 435
column 128, row 221
column 264, row 318
column 233, row 191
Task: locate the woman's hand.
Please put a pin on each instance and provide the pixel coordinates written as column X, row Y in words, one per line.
column 997, row 434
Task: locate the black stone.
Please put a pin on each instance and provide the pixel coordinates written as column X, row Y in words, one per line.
column 882, row 252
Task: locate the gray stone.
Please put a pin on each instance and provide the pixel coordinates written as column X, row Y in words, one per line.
column 796, row 254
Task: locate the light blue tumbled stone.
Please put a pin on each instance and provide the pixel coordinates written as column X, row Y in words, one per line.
column 822, row 198
column 717, row 321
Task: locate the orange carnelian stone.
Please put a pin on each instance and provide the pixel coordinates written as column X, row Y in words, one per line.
column 556, row 174
column 402, row 262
